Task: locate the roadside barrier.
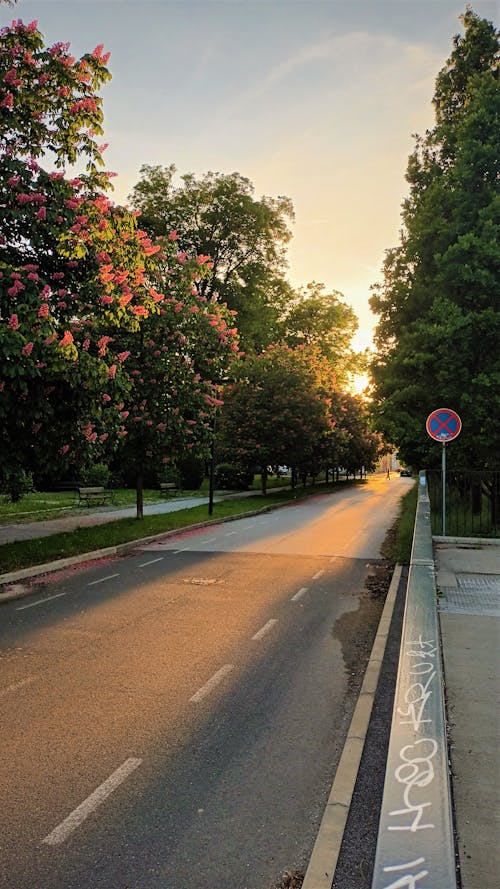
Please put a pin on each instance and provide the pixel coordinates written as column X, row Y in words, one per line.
column 415, row 846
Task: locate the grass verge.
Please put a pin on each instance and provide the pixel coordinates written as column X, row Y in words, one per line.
column 27, row 553
column 398, row 542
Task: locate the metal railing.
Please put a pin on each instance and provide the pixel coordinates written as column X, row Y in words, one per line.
column 415, row 846
column 472, row 502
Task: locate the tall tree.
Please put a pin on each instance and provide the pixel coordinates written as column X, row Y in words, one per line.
column 277, row 411
column 326, row 321
column 245, row 238
column 439, row 325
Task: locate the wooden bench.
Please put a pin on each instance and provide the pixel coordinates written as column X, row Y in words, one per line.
column 166, row 488
column 94, row 495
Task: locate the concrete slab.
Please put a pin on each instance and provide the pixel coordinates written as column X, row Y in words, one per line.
column 470, row 644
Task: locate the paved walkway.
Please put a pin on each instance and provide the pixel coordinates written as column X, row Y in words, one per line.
column 468, row 582
column 96, row 516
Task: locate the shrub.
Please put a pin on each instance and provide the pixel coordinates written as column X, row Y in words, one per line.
column 233, row 477
column 96, row 475
column 16, row 483
column 191, row 471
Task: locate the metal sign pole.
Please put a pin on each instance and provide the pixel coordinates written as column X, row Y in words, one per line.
column 443, row 497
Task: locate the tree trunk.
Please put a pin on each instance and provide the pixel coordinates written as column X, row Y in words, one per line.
column 139, row 498
column 263, row 479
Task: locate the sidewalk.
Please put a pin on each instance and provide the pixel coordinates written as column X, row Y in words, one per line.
column 468, row 584
column 46, row 527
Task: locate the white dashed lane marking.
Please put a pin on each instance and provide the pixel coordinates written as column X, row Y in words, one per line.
column 78, row 815
column 212, row 682
column 102, row 579
column 40, row 601
column 265, row 629
column 151, row 562
column 299, row 594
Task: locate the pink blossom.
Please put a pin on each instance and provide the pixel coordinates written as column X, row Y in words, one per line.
column 102, row 344
column 50, row 339
column 124, row 414
column 43, row 311
column 173, row 236
column 122, row 356
column 140, row 310
column 64, row 449
column 42, row 214
column 106, row 397
column 106, row 300
column 67, row 339
column 36, row 428
column 27, row 349
column 13, row 181
column 112, row 372
column 103, row 437
column 8, row 101
column 14, row 322
column 32, row 276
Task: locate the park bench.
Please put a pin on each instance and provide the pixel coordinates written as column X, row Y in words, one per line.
column 96, row 494
column 166, row 488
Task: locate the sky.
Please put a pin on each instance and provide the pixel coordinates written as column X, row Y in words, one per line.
column 318, row 100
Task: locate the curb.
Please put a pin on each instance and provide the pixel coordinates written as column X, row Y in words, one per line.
column 323, row 862
column 119, row 549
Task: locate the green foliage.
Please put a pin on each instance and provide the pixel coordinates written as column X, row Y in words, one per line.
column 15, row 483
column 324, row 320
column 218, row 216
column 192, row 471
column 98, row 474
column 439, row 325
column 231, row 477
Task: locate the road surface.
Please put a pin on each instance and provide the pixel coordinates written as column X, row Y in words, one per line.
column 172, row 719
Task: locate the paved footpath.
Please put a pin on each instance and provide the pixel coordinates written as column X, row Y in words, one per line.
column 468, row 583
column 99, row 516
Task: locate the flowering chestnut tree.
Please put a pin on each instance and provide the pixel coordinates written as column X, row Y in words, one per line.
column 172, row 362
column 78, row 278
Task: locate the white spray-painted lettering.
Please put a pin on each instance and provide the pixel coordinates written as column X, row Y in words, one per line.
column 417, row 694
column 416, row 771
column 407, row 880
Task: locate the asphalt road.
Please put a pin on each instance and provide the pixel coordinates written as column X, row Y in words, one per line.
column 173, row 719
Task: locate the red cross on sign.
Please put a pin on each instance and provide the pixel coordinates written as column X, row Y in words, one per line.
column 443, row 425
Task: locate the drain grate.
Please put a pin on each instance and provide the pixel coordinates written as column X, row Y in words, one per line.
column 474, row 594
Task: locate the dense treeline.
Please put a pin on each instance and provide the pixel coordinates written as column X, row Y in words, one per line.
column 438, row 333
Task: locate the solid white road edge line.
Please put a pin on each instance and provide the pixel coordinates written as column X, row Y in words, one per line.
column 265, row 629
column 63, row 830
column 323, row 862
column 212, row 682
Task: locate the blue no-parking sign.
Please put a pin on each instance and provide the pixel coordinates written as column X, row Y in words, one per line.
column 443, row 425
